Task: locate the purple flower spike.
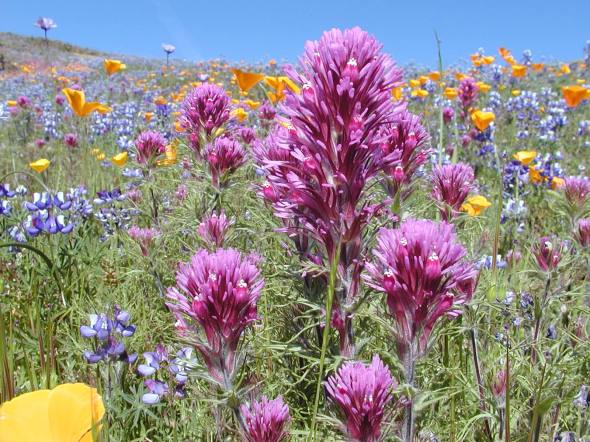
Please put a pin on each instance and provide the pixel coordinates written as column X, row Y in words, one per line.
column 150, row 146
column 547, row 252
column 467, row 92
column 421, row 268
column 216, row 293
column 224, row 156
column 577, row 191
column 361, row 392
column 144, row 237
column 450, row 186
column 213, row 229
column 265, row 420
column 205, row 109
column 583, row 233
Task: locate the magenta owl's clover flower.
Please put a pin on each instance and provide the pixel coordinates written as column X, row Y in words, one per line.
column 214, row 301
column 267, row 112
column 448, row 114
column 548, row 252
column 71, row 140
column 247, row 135
column 213, row 229
column 576, row 191
column 205, row 109
column 421, row 268
column 224, row 156
column 265, row 420
column 319, row 159
column 150, row 146
column 361, row 392
column 450, row 186
column 467, row 92
column 583, row 233
column 408, row 138
column 144, row 237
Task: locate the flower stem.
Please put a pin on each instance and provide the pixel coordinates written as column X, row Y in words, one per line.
column 480, row 387
column 408, row 424
column 326, row 334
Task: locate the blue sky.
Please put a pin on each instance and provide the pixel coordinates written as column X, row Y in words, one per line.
column 258, row 30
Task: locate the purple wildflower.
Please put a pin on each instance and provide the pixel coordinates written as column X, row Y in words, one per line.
column 265, row 420
column 213, row 229
column 150, row 145
column 421, row 268
column 467, row 92
column 547, row 252
column 224, row 156
column 450, row 186
column 361, row 392
column 319, row 160
column 205, row 109
column 216, row 292
column 583, row 233
column 576, row 191
column 45, row 23
column 71, row 140
column 144, row 237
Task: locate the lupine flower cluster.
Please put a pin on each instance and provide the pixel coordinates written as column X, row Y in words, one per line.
column 106, row 332
column 112, row 213
column 165, row 375
column 48, row 214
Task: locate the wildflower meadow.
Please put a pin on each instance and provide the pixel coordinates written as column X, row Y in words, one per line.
column 340, row 248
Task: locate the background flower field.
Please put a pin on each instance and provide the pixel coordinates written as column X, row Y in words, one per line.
column 176, row 233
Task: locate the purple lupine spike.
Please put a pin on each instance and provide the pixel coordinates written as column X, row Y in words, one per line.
column 265, row 420
column 451, row 184
column 216, row 293
column 213, row 229
column 421, row 268
column 361, row 392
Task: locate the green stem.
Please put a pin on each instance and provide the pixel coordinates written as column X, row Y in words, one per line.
column 440, row 114
column 326, row 335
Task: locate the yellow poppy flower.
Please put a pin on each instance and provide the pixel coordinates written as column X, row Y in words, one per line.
column 515, row 92
column 247, row 80
column 40, row 165
column 488, row 59
column 422, row 79
column 160, row 101
column 77, row 102
column 148, row 116
column 538, row 67
column 460, row 76
column 573, row 95
column 535, row 176
column 69, row 412
column 475, row 205
column 484, row 88
column 113, row 66
column 434, row 76
column 239, row 113
column 482, row 120
column 450, row 93
column 414, row 83
column 580, row 81
column 557, row 182
column 565, row 69
column 11, row 103
column 171, row 154
column 120, row 159
column 397, row 93
column 420, row 93
column 252, row 104
column 518, row 70
column 525, row 156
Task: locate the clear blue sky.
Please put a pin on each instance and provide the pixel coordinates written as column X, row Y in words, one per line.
column 256, row 30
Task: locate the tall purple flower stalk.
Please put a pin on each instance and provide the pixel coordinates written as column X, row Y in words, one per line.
column 144, row 237
column 576, row 191
column 149, row 146
column 214, row 301
column 224, row 156
column 320, row 158
column 213, row 229
column 361, row 392
column 421, row 268
column 205, row 109
column 409, row 138
column 467, row 92
column 450, row 186
column 265, row 420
